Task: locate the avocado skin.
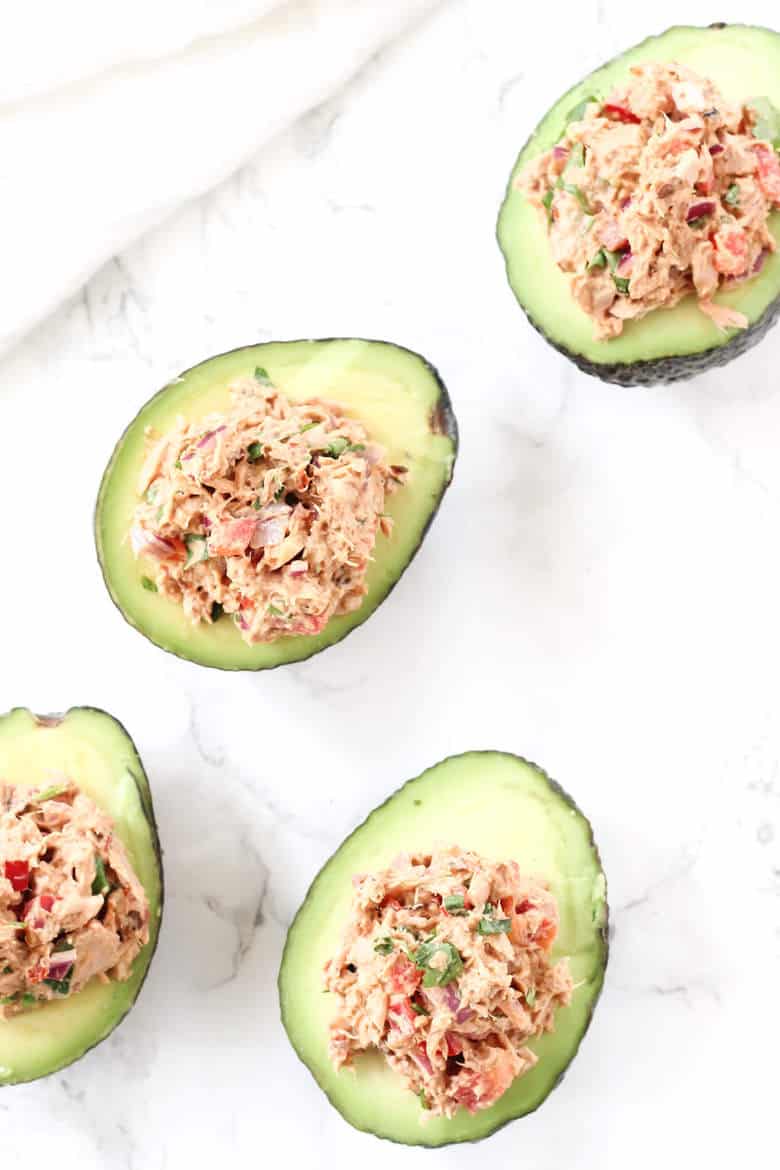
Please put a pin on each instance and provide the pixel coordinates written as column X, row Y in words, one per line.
column 144, row 793
column 669, row 369
column 442, row 421
column 661, row 370
column 604, row 934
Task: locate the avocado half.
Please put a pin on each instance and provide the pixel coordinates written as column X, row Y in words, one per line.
column 502, row 807
column 668, row 344
column 91, row 748
column 405, row 407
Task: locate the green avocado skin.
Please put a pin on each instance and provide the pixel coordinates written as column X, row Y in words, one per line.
column 669, row 369
column 673, row 367
column 436, row 417
column 507, row 784
column 119, row 1005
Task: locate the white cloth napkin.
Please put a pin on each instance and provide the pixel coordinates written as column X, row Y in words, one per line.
column 111, row 115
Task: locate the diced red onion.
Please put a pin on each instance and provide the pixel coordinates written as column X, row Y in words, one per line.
column 560, row 152
column 706, row 207
column 274, row 509
column 420, row 1057
column 626, row 203
column 61, row 964
column 451, row 997
column 298, row 568
column 464, row 1015
column 208, row 437
column 760, row 258
column 241, row 621
column 717, row 148
column 625, row 264
column 149, row 543
column 372, row 454
column 267, row 532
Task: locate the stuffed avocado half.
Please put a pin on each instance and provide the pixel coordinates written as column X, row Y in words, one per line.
column 73, row 763
column 494, row 805
column 381, row 396
column 669, row 343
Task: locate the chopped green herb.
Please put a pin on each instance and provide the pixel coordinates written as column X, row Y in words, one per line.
column 578, row 113
column 576, row 156
column 197, row 549
column 50, row 792
column 309, row 426
column 217, row 611
column 494, row 926
column 597, row 261
column 621, row 284
column 274, row 611
column 254, row 452
column 262, row 376
column 578, row 193
column 8, row 998
column 337, row 447
column 149, row 584
column 177, row 465
column 279, row 493
column 6, row 970
column 437, row 976
column 151, row 493
column 100, row 883
column 423, row 1099
column 732, row 195
column 62, row 944
column 356, row 447
column 385, row 946
column 28, row 999
column 257, row 505
column 699, row 222
column 767, row 120
column 547, row 199
column 530, row 996
column 419, row 1010
column 61, row 986
column 454, row 902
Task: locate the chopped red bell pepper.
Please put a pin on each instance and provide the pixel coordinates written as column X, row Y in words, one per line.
column 620, row 113
column 454, row 1046
column 18, row 874
column 524, row 906
column 405, row 978
column 47, row 902
column 404, row 1011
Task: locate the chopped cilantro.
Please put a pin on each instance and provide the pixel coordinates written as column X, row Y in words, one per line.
column 177, row 465
column 262, row 376
column 578, row 193
column 530, row 996
column 254, row 452
column 28, row 999
column 197, row 549
column 337, row 447
column 423, row 1099
column 597, row 261
column 50, row 792
column 100, row 883
column 547, row 199
column 419, row 1010
column 257, row 505
column 309, row 426
column 217, row 611
column 274, row 611
column 149, row 584
column 454, row 902
column 279, row 493
column 621, row 284
column 385, row 946
column 699, row 222
column 437, row 976
column 489, row 924
column 576, row 156
column 731, row 198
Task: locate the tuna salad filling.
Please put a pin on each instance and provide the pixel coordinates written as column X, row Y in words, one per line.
column 268, row 513
column 661, row 190
column 71, row 906
column 445, row 968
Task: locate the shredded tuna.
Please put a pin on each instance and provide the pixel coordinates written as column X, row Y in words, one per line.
column 268, row 513
column 665, row 171
column 445, row 968
column 71, row 906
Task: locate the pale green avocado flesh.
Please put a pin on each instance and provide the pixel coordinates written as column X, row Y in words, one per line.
column 667, row 344
column 90, row 748
column 503, row 808
column 395, row 393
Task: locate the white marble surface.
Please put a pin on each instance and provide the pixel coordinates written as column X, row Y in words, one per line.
column 599, row 592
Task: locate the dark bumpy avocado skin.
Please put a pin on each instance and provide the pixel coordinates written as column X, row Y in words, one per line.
column 674, row 368
column 141, row 782
column 442, row 421
column 603, row 933
column 669, row 369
